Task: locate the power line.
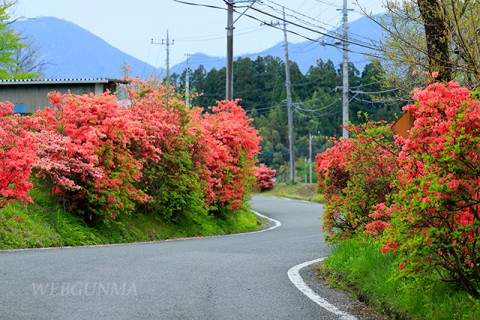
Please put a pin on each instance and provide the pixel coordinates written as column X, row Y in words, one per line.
column 333, row 36
column 337, row 34
column 315, row 40
column 376, row 92
column 200, row 5
column 215, row 36
column 385, row 101
column 320, row 115
column 329, row 4
column 315, row 31
column 300, row 14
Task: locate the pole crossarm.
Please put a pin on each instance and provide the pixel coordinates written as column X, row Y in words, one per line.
column 167, row 43
column 252, row 2
column 230, row 27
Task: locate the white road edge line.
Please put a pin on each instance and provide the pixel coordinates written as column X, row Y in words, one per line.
column 276, row 224
column 297, row 280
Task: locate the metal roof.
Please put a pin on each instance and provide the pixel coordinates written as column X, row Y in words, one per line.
column 57, row 81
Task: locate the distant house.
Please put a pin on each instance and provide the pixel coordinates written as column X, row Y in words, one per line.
column 31, row 95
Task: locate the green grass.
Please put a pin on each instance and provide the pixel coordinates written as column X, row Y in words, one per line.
column 301, row 191
column 359, row 267
column 46, row 223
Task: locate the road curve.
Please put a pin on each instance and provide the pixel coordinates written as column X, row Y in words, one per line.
column 229, row 277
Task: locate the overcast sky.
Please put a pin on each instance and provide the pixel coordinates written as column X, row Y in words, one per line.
column 130, row 25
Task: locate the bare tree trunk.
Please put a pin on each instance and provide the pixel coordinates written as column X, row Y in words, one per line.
column 437, row 38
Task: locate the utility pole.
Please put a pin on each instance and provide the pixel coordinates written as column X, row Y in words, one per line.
column 230, row 27
column 305, row 169
column 167, row 43
column 289, row 102
column 345, row 69
column 187, row 83
column 291, row 149
column 310, row 154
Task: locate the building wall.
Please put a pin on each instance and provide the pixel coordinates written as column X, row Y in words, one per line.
column 31, row 97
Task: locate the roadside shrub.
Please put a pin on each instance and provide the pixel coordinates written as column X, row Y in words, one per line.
column 355, row 175
column 264, row 177
column 17, row 153
column 436, row 213
column 424, row 203
column 85, row 154
column 232, row 143
column 170, row 175
column 150, row 152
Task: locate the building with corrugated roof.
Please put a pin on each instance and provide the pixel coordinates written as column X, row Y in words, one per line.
column 30, row 95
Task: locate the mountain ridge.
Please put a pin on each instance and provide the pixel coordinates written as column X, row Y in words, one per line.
column 307, row 53
column 73, row 52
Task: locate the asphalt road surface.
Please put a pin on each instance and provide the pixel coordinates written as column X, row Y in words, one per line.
column 228, row 277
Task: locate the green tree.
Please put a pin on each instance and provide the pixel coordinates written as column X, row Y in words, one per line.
column 28, row 60
column 431, row 35
column 260, row 83
column 371, row 97
column 317, row 98
column 211, row 88
column 10, row 48
column 322, row 75
column 322, row 109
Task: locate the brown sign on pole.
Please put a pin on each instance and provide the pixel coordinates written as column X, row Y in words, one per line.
column 404, row 124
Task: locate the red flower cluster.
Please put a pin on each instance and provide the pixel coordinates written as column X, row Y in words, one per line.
column 419, row 195
column 85, row 153
column 17, row 153
column 355, row 175
column 151, row 151
column 265, row 176
column 436, row 214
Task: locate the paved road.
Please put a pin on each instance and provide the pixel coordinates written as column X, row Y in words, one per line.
column 230, row 277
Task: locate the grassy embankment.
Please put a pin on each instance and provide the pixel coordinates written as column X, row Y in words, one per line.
column 46, row 223
column 369, row 275
column 300, row 191
column 365, row 273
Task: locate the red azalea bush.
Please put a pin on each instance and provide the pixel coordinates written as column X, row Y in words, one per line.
column 355, row 175
column 17, row 153
column 151, row 152
column 86, row 155
column 232, row 143
column 194, row 160
column 436, row 214
column 422, row 202
column 264, row 177
column 169, row 147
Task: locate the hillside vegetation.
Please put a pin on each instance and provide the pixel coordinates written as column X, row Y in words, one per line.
column 301, row 191
column 47, row 223
column 402, row 213
column 91, row 170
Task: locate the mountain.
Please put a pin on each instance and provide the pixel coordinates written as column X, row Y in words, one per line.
column 73, row 52
column 362, row 33
column 197, row 59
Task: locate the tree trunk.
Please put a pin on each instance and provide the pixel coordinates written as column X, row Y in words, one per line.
column 437, row 38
